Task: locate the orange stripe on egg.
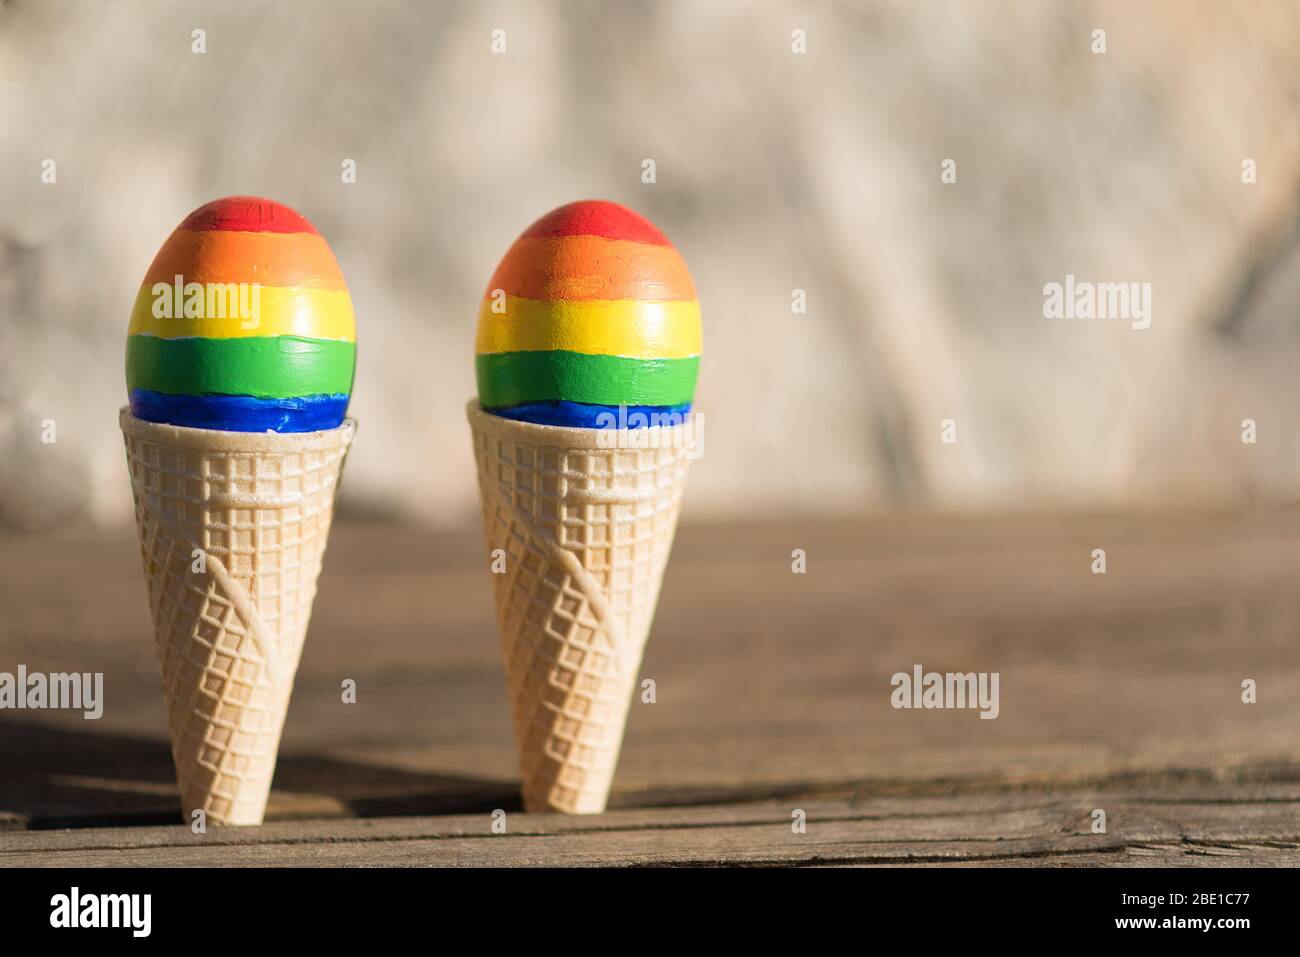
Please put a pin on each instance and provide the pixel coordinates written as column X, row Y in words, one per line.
column 272, row 259
column 591, row 267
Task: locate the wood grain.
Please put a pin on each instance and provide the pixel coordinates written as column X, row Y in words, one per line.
column 772, row 688
column 1049, row 828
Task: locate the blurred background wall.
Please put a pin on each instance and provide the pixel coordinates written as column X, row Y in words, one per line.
column 775, row 170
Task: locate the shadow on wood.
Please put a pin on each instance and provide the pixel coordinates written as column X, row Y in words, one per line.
column 60, row 778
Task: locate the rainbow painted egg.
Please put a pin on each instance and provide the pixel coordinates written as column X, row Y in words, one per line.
column 243, row 323
column 591, row 309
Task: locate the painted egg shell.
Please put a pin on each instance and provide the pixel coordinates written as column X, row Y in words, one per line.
column 591, row 309
column 242, row 323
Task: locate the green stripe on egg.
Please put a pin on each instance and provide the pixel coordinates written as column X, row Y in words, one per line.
column 513, row 378
column 269, row 367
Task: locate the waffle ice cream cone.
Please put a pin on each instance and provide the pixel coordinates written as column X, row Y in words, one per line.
column 586, row 533
column 232, row 529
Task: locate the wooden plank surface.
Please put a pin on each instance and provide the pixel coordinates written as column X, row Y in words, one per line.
column 1047, row 828
column 771, row 686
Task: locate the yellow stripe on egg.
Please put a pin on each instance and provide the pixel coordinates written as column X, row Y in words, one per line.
column 645, row 329
column 231, row 312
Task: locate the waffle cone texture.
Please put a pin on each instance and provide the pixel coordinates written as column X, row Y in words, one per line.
column 233, row 527
column 585, row 531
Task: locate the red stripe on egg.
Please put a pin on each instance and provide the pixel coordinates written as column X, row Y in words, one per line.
column 597, row 217
column 249, row 214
